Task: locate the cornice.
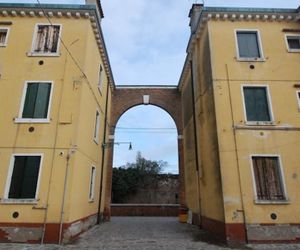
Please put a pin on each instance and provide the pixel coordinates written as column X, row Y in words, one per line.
column 234, row 14
column 64, row 11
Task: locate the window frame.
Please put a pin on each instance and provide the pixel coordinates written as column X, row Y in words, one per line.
column 92, row 184
column 287, row 43
column 101, row 78
column 97, row 127
column 20, row 119
column 298, row 99
column 269, row 100
column 282, row 180
column 33, row 53
column 9, row 177
column 6, row 38
column 249, row 59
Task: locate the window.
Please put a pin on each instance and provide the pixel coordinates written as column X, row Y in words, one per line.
column 36, row 99
column 23, row 180
column 3, row 37
column 298, row 98
column 268, row 178
column 293, row 43
column 92, row 184
column 248, row 44
column 97, row 123
column 256, row 102
column 46, row 40
column 101, row 78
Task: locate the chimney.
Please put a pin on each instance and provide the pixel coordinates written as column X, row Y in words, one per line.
column 194, row 16
column 97, row 3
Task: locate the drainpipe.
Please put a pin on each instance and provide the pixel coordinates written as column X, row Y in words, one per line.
column 236, row 152
column 64, row 196
column 103, row 153
column 196, row 139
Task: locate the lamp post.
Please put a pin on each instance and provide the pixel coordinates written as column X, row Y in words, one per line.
column 111, row 144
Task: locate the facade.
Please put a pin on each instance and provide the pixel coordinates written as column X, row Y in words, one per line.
column 240, row 91
column 55, row 95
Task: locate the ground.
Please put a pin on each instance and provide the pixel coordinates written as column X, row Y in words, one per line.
column 145, row 233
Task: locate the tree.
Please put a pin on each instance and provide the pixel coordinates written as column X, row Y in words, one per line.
column 129, row 178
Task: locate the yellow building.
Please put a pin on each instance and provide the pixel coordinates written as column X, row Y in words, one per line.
column 55, row 90
column 241, row 99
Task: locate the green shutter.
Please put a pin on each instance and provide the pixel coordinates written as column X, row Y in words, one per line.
column 248, row 44
column 29, row 103
column 37, row 100
column 256, row 102
column 17, row 177
column 30, row 177
column 24, row 177
column 42, row 100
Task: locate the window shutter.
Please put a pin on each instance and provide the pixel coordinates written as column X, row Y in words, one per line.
column 55, row 38
column 256, row 103
column 267, row 178
column 30, row 177
column 29, row 104
column 248, row 44
column 42, row 100
column 294, row 42
column 15, row 189
column 24, row 177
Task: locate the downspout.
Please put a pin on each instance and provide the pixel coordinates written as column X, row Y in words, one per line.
column 196, row 140
column 53, row 154
column 236, row 152
column 103, row 153
column 64, row 196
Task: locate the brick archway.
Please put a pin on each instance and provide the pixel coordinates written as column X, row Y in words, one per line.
column 125, row 97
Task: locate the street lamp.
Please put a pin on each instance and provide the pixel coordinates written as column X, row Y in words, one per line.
column 111, row 144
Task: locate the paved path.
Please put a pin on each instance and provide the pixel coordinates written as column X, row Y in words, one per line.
column 144, row 233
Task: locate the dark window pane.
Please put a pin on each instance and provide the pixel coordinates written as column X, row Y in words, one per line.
column 24, row 177
column 267, row 178
column 294, row 42
column 37, row 100
column 256, row 102
column 248, row 44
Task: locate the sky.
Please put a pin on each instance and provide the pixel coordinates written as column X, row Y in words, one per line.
column 146, row 42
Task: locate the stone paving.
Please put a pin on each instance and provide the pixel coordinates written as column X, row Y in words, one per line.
column 145, row 233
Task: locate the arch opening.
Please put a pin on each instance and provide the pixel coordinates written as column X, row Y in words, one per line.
column 154, row 135
column 148, row 174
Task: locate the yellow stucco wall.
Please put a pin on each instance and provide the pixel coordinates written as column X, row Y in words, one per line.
column 72, row 119
column 279, row 72
column 210, row 193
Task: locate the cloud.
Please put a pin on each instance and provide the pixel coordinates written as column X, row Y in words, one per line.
column 146, row 43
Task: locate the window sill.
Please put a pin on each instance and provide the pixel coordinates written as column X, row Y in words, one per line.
column 19, row 201
column 260, row 123
column 91, row 201
column 96, row 141
column 294, row 50
column 272, row 202
column 35, row 54
column 3, row 45
column 22, row 120
column 250, row 59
